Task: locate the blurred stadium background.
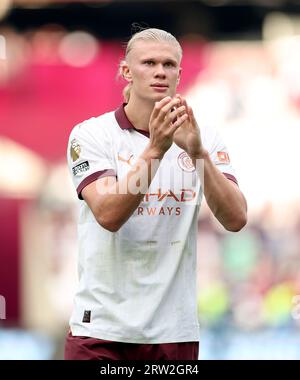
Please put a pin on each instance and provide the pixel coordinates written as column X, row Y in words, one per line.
column 58, row 66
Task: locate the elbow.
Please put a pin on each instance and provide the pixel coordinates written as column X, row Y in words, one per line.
column 237, row 224
column 109, row 224
column 111, row 227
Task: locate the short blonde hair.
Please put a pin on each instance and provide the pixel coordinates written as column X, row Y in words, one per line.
column 150, row 34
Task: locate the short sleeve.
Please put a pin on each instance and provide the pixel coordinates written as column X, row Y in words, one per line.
column 213, row 142
column 89, row 154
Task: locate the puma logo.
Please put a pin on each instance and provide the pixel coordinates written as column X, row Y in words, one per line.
column 124, row 160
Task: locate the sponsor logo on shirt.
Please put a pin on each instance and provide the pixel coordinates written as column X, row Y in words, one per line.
column 185, row 163
column 223, row 157
column 75, row 150
column 185, row 195
column 81, row 168
column 128, row 161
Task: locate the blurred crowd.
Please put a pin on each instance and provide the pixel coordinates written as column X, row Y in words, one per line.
column 249, row 288
column 251, row 279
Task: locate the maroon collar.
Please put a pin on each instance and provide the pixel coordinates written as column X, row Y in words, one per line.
column 124, row 122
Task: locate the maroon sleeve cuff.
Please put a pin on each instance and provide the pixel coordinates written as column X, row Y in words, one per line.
column 231, row 178
column 93, row 177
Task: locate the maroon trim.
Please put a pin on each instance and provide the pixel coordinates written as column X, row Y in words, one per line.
column 93, row 177
column 125, row 123
column 122, row 118
column 87, row 348
column 231, row 178
column 145, row 133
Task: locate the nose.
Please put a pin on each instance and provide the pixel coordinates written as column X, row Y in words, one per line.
column 160, row 71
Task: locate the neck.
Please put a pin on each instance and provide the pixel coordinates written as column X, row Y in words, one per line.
column 138, row 112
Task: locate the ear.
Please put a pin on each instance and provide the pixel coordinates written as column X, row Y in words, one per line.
column 179, row 75
column 126, row 73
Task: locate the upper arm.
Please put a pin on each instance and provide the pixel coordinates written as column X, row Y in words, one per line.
column 95, row 192
column 213, row 142
column 89, row 155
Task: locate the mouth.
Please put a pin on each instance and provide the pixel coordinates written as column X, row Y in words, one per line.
column 159, row 87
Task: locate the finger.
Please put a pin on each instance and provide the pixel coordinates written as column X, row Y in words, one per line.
column 180, row 120
column 191, row 115
column 182, row 99
column 184, row 102
column 179, row 97
column 175, row 113
column 167, row 108
column 159, row 105
column 189, row 110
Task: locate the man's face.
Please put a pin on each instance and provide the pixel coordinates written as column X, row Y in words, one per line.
column 153, row 68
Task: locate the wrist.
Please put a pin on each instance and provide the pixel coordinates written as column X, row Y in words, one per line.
column 153, row 153
column 199, row 155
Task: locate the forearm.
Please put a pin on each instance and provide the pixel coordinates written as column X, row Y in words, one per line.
column 119, row 201
column 223, row 196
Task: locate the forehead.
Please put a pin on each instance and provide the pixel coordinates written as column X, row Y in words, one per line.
column 155, row 49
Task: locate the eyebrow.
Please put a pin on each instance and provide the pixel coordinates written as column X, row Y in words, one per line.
column 165, row 60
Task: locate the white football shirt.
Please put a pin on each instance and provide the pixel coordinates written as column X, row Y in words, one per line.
column 138, row 284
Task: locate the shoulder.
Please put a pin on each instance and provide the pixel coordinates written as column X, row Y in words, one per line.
column 209, row 134
column 94, row 126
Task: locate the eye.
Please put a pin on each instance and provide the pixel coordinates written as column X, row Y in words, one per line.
column 149, row 62
column 169, row 64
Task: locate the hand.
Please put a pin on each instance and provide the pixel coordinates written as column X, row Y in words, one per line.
column 167, row 116
column 187, row 136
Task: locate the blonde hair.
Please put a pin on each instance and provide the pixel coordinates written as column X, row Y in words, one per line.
column 150, row 34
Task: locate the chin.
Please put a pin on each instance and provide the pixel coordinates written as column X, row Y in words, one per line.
column 158, row 97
